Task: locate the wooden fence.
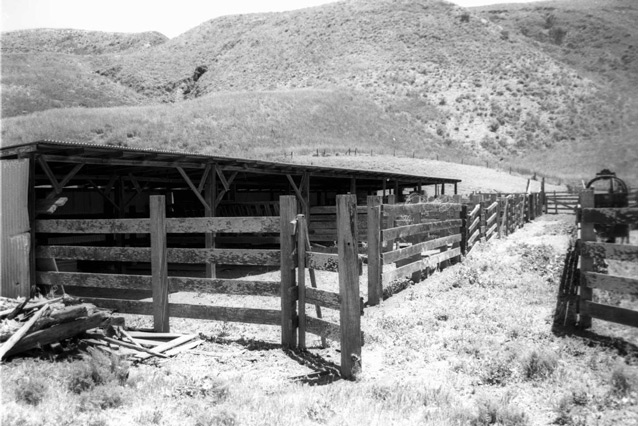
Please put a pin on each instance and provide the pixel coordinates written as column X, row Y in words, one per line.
column 561, row 202
column 592, row 257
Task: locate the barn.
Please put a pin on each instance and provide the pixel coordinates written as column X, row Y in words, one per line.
column 63, row 180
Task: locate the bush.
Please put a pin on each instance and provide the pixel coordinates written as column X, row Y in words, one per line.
column 32, row 391
column 102, row 397
column 539, row 365
column 622, row 381
column 95, row 369
column 501, row 412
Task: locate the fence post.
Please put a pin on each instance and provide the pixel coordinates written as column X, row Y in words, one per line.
column 301, row 278
column 375, row 267
column 288, row 213
column 350, row 312
column 586, row 263
column 159, row 266
column 464, row 230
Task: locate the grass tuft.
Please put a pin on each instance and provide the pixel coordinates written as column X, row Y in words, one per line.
column 97, row 369
column 32, row 391
column 539, row 365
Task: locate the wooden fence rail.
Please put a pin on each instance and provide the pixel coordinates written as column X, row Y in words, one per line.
column 593, row 254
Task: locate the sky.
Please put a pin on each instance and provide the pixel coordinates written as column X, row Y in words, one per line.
column 170, row 18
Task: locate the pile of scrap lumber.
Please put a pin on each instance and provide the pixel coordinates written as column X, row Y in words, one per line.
column 25, row 326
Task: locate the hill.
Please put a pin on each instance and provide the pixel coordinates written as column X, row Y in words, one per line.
column 459, row 83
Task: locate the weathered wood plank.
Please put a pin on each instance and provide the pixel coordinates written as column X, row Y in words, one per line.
column 350, row 312
column 603, row 216
column 159, row 264
column 474, row 225
column 113, row 254
column 410, row 209
column 429, row 262
column 491, row 231
column 93, row 226
column 317, row 210
column 323, row 328
column 587, row 233
column 407, row 252
column 491, row 208
column 235, row 225
column 474, row 211
column 419, row 228
column 222, row 286
column 491, row 219
column 288, row 213
column 375, row 265
column 224, row 256
column 612, row 283
column 473, row 237
column 82, row 279
column 609, row 251
column 165, row 347
column 327, row 299
column 609, row 313
column 302, row 231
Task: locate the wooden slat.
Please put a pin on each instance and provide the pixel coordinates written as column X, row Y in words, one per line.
column 407, row 252
column 609, row 313
column 204, row 312
column 491, row 219
column 79, row 279
column 236, row 225
column 474, row 211
column 94, row 226
column 114, row 254
column 601, row 251
column 410, row 209
column 603, row 216
column 474, row 236
column 164, row 347
column 474, row 225
column 333, row 210
column 327, row 299
column 429, row 262
column 491, row 231
column 224, row 256
column 407, row 230
column 491, row 208
column 159, row 263
column 323, row 328
column 611, row 283
column 220, row 286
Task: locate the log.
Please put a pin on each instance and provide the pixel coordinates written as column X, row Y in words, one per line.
column 30, row 307
column 129, row 345
column 13, row 340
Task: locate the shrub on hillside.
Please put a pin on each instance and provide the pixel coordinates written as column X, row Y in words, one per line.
column 31, row 391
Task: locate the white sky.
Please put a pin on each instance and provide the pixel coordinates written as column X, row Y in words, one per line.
column 170, row 18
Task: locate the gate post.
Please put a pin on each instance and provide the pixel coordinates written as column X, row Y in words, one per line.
column 375, row 267
column 159, row 266
column 350, row 312
column 288, row 213
column 586, row 262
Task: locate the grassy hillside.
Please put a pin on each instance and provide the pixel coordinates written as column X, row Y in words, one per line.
column 462, row 84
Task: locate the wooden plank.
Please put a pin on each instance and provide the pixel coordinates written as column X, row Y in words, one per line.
column 235, row 225
column 491, row 208
column 491, row 219
column 203, row 312
column 609, row 313
column 612, row 283
column 159, row 264
column 474, row 211
column 333, row 210
column 587, row 233
column 165, row 347
column 323, row 328
column 114, row 254
column 429, row 262
column 375, row 265
column 93, row 226
column 474, row 225
column 288, row 213
column 407, row 252
column 491, row 231
column 327, row 299
column 175, row 284
column 603, row 216
column 302, row 231
column 410, row 209
column 473, row 237
column 350, row 312
column 408, row 230
column 609, row 251
column 224, row 256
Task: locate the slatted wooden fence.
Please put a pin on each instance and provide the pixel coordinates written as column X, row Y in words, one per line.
column 561, row 202
column 592, row 256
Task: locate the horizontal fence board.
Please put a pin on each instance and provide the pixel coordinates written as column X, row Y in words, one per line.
column 333, row 210
column 475, row 210
column 491, row 219
column 327, row 299
column 429, row 262
column 612, row 283
column 609, row 251
column 175, row 284
column 491, row 208
column 407, row 252
column 234, row 225
column 323, row 328
column 224, row 256
column 419, row 228
column 491, row 231
column 610, row 313
column 474, row 225
column 93, row 226
column 627, row 215
column 409, row 209
column 204, row 312
column 113, row 254
column 473, row 237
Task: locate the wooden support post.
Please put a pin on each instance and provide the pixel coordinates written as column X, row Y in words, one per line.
column 301, row 278
column 32, row 207
column 210, row 195
column 543, row 197
column 353, row 185
column 288, row 213
column 375, row 267
column 442, row 189
column 350, row 313
column 464, row 230
column 456, row 188
column 586, row 262
column 159, row 264
column 397, row 195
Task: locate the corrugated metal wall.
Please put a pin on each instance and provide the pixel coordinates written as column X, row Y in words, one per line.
column 15, row 240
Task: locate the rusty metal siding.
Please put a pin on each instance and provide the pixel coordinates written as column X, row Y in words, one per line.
column 15, row 238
